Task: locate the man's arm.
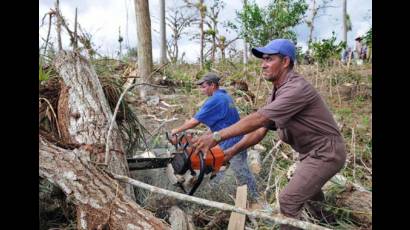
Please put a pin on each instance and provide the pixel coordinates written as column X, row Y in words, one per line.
column 247, row 141
column 189, row 124
column 244, row 126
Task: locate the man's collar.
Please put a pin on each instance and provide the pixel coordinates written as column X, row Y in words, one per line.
column 287, row 77
column 220, row 90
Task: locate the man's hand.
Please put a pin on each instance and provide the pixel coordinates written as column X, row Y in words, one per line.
column 204, row 143
column 189, row 124
column 227, row 156
column 174, row 131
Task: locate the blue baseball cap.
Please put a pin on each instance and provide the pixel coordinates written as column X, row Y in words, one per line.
column 277, row 46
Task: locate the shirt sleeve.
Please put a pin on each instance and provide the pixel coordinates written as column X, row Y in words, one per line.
column 289, row 101
column 212, row 111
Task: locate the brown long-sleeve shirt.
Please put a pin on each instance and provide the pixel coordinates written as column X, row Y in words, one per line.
column 301, row 116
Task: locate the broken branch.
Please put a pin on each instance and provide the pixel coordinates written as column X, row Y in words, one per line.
column 118, row 106
column 280, row 219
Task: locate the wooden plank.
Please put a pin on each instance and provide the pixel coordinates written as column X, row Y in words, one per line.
column 237, row 221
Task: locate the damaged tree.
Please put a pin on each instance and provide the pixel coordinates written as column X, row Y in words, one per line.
column 84, row 112
column 83, row 116
column 100, row 200
column 144, row 43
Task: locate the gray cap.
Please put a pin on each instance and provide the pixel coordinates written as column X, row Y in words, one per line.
column 209, row 77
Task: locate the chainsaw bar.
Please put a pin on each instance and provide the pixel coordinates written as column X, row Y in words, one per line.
column 148, row 163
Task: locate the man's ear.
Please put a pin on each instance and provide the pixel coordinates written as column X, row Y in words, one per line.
column 287, row 62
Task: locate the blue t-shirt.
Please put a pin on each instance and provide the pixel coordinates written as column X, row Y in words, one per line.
column 219, row 112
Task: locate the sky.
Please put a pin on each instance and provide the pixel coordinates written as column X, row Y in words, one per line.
column 104, row 18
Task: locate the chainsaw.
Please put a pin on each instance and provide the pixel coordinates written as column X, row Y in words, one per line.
column 184, row 160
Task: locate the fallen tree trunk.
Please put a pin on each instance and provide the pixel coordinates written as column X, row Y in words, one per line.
column 84, row 113
column 279, row 219
column 354, row 197
column 99, row 200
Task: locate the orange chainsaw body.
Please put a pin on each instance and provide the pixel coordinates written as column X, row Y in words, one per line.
column 214, row 157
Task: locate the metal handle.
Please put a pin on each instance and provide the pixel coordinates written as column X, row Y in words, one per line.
column 201, row 173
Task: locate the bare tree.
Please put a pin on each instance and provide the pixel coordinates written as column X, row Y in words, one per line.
column 120, row 40
column 223, row 44
column 245, row 44
column 202, row 10
column 57, row 6
column 344, row 15
column 212, row 31
column 163, row 53
column 201, row 7
column 178, row 21
column 316, row 8
column 144, row 42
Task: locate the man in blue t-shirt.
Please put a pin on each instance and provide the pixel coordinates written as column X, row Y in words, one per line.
column 219, row 112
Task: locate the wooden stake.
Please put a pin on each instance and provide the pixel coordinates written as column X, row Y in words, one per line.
column 237, row 221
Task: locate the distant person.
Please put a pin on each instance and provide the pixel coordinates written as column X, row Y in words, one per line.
column 308, row 60
column 358, row 46
column 346, row 55
column 358, row 50
column 363, row 52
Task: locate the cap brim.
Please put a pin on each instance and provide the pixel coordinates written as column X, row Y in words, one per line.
column 199, row 82
column 260, row 51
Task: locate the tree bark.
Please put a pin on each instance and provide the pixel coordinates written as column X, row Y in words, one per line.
column 100, row 202
column 202, row 10
column 354, row 197
column 144, row 42
column 245, row 44
column 163, row 54
column 311, row 22
column 57, row 5
column 84, row 113
column 178, row 218
column 344, row 21
column 213, row 48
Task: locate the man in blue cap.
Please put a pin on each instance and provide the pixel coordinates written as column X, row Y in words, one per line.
column 300, row 116
column 219, row 112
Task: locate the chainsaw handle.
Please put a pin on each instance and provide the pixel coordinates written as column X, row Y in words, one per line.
column 201, row 173
column 170, row 140
column 167, row 136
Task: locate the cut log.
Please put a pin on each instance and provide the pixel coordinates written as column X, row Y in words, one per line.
column 360, row 204
column 84, row 112
column 177, row 219
column 99, row 200
column 354, row 197
column 237, row 221
column 254, row 161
